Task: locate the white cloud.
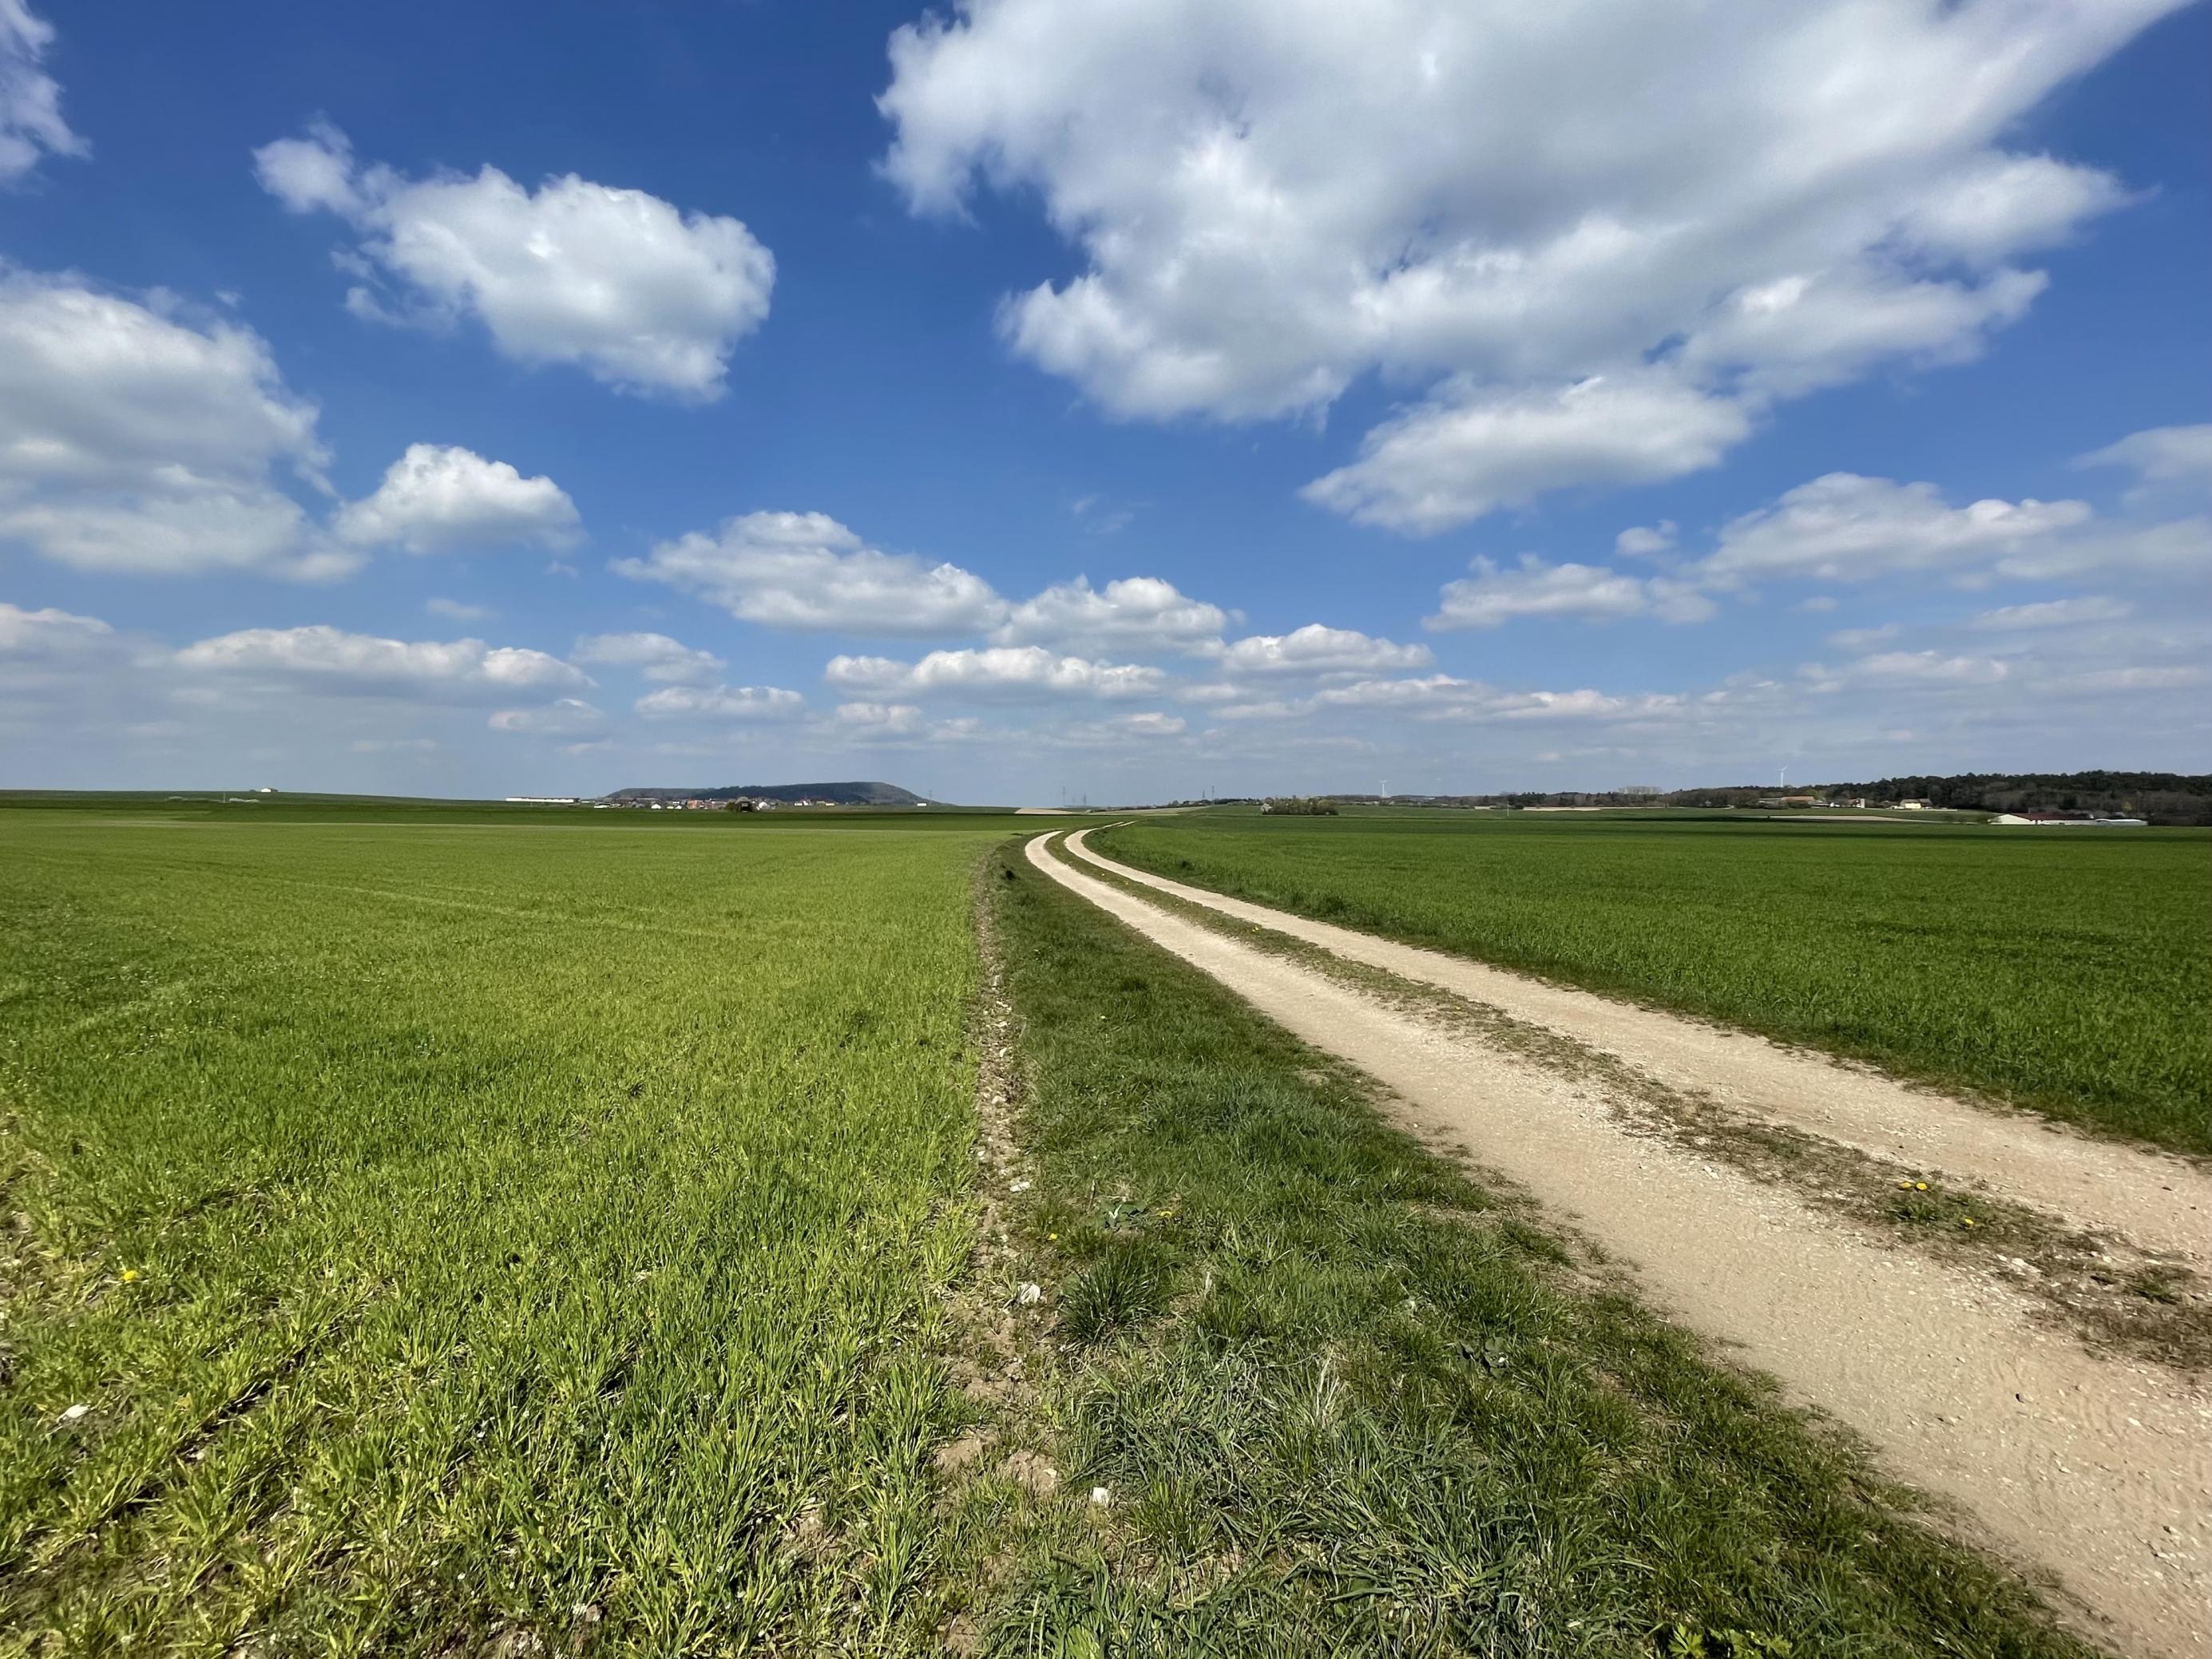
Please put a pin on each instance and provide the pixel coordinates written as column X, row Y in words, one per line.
column 455, row 611
column 1444, row 697
column 31, row 123
column 2138, row 679
column 1270, row 200
column 644, row 297
column 658, row 658
column 2004, row 204
column 327, row 658
column 1843, row 527
column 2180, row 549
column 1118, row 732
column 807, row 571
column 436, row 498
column 1586, row 593
column 1909, row 668
column 1796, row 335
column 1002, row 671
column 1137, row 613
column 1862, row 639
column 875, row 722
column 51, row 656
column 48, row 633
column 2053, row 613
column 565, row 717
column 1314, row 649
column 721, row 703
column 1470, row 450
column 133, row 439
column 2165, row 459
column 1647, row 541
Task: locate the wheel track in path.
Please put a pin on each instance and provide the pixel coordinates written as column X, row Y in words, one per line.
column 2095, row 1470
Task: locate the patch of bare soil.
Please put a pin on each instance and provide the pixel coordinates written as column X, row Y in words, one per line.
column 2095, row 1470
column 1001, row 1323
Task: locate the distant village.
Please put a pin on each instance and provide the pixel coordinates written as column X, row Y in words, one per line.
column 687, row 804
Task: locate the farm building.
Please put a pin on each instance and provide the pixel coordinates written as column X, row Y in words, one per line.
column 2078, row 819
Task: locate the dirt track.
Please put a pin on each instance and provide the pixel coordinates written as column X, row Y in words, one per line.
column 2096, row 1470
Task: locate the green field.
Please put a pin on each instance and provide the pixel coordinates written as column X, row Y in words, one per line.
column 464, row 1230
column 2067, row 970
column 454, row 1228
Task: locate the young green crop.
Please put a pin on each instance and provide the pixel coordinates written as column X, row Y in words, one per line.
column 2064, row 970
column 425, row 1233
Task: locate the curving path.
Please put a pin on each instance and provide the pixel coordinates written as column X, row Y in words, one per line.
column 2097, row 1471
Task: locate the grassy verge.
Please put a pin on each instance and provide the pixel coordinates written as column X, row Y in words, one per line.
column 2061, row 971
column 1339, row 1399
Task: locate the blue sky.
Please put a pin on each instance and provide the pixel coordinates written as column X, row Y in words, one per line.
column 1018, row 398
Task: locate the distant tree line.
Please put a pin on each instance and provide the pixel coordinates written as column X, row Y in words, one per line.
column 2172, row 797
column 2161, row 797
column 1311, row 806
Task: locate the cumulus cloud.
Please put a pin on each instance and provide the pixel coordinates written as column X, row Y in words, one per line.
column 1137, row 613
column 330, row 659
column 721, row 703
column 1586, row 593
column 437, row 498
column 644, row 297
column 805, row 571
column 31, row 124
column 1270, row 201
column 656, row 656
column 1316, row 650
column 1648, row 541
column 1843, row 527
column 1469, row 450
column 998, row 671
column 564, row 717
column 134, row 439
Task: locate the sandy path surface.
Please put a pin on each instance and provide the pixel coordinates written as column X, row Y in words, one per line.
column 2098, row 1471
column 2159, row 1203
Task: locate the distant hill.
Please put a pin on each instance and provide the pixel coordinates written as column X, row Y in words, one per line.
column 837, row 794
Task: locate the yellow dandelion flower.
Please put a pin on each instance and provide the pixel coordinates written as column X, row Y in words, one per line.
column 1920, row 1185
column 130, row 1273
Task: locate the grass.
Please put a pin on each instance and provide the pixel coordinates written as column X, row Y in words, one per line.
column 1344, row 1400
column 454, row 1235
column 2062, row 970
